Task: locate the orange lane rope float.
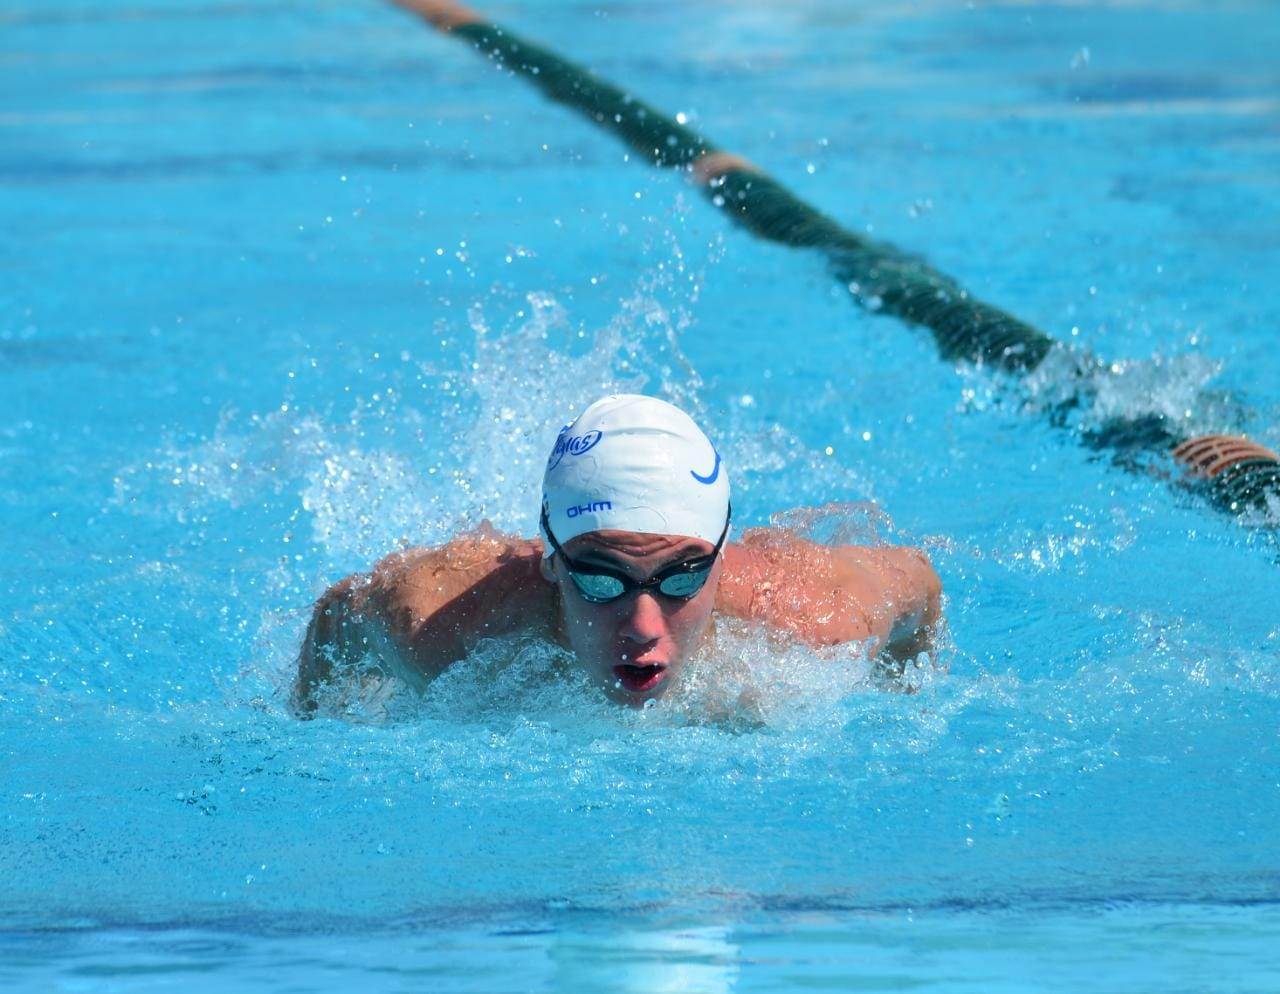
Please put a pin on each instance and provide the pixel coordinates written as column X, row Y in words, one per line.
column 1210, row 455
column 1240, row 473
column 880, row 276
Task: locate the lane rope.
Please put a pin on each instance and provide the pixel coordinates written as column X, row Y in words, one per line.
column 879, row 276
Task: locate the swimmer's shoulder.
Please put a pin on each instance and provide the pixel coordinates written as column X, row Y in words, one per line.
column 419, row 580
column 428, row 606
column 439, row 600
column 773, row 554
column 831, row 594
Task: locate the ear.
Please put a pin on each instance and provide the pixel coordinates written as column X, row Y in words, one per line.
column 547, row 570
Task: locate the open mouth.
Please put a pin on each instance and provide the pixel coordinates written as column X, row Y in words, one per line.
column 638, row 679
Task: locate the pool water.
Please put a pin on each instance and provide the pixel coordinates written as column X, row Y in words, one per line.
column 286, row 285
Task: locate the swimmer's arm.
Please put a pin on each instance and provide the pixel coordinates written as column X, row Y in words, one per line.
column 903, row 594
column 337, row 639
column 889, row 597
column 422, row 610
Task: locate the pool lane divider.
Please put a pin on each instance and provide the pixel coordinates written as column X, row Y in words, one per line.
column 880, row 277
column 1239, row 473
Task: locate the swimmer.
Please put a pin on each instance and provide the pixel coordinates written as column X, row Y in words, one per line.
column 633, row 560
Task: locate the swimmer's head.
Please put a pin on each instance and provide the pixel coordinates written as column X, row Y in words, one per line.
column 635, row 501
column 637, row 464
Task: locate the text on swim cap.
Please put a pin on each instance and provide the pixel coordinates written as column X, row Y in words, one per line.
column 574, row 445
column 596, row 505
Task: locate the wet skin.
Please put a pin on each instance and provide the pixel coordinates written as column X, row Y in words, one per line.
column 636, row 646
column 422, row 609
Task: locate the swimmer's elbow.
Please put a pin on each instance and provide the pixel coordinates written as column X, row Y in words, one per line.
column 930, row 586
column 923, row 585
column 324, row 646
column 920, row 609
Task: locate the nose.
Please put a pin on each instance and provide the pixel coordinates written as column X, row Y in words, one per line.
column 644, row 620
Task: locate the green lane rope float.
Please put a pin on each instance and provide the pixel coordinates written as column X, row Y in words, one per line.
column 879, row 276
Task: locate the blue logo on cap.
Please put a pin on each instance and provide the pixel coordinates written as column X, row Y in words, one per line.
column 573, row 445
column 715, row 471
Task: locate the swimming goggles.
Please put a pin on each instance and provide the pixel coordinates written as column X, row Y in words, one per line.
column 600, row 584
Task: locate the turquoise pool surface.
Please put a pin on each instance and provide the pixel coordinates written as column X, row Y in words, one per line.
column 284, row 285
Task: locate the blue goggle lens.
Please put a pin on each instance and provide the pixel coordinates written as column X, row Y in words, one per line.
column 600, row 588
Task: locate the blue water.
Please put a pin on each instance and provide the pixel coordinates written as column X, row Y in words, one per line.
column 285, row 284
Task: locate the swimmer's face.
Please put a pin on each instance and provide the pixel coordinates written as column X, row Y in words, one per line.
column 635, row 646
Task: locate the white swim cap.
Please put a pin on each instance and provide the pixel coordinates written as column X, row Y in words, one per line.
column 636, row 464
